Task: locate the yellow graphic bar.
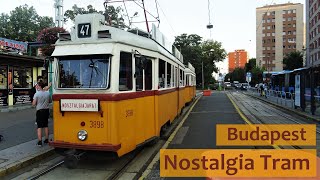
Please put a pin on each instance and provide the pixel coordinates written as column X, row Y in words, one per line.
column 237, row 163
column 262, row 135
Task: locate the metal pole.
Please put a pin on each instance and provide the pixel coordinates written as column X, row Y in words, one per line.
column 202, row 76
column 145, row 15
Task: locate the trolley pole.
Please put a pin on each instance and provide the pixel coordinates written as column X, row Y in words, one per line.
column 145, row 15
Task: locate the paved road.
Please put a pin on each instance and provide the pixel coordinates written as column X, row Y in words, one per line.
column 18, row 127
column 198, row 131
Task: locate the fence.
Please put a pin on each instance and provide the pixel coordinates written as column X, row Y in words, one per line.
column 279, row 97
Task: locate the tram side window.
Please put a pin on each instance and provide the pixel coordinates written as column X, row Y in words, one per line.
column 169, row 74
column 176, row 79
column 125, row 72
column 187, row 80
column 148, row 75
column 181, row 78
column 162, row 69
column 139, row 74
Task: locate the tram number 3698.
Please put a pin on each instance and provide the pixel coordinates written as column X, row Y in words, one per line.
column 96, row 124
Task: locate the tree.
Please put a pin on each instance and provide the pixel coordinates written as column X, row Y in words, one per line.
column 195, row 51
column 23, row 24
column 114, row 16
column 250, row 64
column 49, row 36
column 293, row 60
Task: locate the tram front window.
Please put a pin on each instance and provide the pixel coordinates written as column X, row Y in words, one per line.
column 90, row 71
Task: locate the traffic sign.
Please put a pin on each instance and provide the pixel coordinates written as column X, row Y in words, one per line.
column 249, row 74
column 248, row 77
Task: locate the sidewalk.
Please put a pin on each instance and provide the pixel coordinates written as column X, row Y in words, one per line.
column 22, row 155
column 14, row 108
column 296, row 111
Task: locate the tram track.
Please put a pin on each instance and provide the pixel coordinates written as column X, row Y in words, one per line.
column 46, row 171
column 275, row 111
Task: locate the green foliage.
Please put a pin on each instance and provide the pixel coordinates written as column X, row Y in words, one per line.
column 293, row 60
column 196, row 51
column 250, row 64
column 114, row 15
column 239, row 74
column 49, row 36
column 23, row 24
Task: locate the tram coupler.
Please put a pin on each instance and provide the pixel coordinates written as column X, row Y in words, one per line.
column 71, row 160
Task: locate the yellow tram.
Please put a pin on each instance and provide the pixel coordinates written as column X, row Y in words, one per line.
column 113, row 89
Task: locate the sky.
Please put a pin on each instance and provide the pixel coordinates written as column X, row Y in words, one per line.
column 234, row 21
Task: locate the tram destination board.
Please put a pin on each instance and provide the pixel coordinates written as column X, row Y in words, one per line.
column 84, row 30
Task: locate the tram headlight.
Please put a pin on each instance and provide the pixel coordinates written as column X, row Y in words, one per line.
column 82, row 135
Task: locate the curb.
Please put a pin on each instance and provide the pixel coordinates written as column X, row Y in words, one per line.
column 287, row 109
column 5, row 110
column 15, row 166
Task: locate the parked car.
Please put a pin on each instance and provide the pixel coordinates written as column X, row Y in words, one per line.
column 245, row 86
column 238, row 86
column 227, row 85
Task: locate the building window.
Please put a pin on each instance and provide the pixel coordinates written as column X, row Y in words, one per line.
column 273, row 26
column 284, row 40
column 268, row 27
column 263, row 27
column 3, row 78
column 268, row 13
column 284, row 12
column 162, row 73
column 263, row 21
column 293, row 11
column 268, row 48
column 263, row 35
column 283, row 33
column 294, row 18
column 273, row 48
column 22, row 77
column 268, row 34
column 125, row 72
column 294, row 32
column 289, row 32
column 283, row 19
column 289, row 47
column 293, row 25
column 289, row 18
column 284, row 47
column 273, row 34
column 273, row 40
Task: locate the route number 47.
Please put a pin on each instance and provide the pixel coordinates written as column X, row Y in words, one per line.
column 84, row 30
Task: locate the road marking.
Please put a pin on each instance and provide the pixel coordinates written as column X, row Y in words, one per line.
column 157, row 157
column 180, row 135
column 244, row 117
column 203, row 112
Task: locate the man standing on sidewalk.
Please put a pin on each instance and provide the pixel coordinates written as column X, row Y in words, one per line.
column 41, row 100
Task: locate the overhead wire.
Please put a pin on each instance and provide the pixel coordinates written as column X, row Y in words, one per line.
column 262, row 18
column 146, row 10
column 125, row 7
column 165, row 17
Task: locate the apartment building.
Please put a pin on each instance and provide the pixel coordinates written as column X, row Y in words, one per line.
column 313, row 33
column 237, row 59
column 279, row 30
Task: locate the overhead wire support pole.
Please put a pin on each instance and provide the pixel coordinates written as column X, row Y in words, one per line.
column 145, row 15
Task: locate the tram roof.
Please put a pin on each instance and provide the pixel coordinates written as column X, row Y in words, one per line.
column 71, row 44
